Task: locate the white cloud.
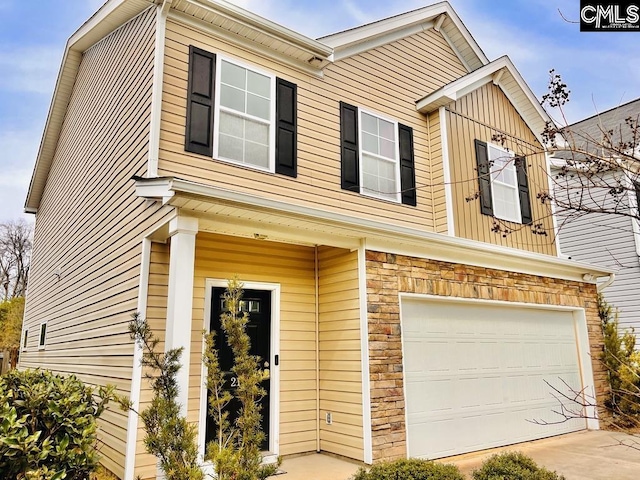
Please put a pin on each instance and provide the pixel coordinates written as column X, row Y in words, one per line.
column 18, row 150
column 30, row 69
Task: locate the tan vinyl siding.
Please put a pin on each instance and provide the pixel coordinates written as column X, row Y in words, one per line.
column 340, row 347
column 480, row 115
column 386, row 80
column 86, row 259
column 293, row 267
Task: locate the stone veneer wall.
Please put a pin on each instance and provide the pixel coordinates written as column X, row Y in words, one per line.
column 388, row 275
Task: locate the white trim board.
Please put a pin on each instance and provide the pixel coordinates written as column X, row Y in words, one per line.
column 274, row 390
column 364, row 354
column 136, row 374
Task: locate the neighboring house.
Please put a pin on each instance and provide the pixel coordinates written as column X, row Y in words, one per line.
column 611, row 241
column 190, row 141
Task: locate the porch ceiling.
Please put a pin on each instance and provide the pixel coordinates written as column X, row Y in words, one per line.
column 231, row 218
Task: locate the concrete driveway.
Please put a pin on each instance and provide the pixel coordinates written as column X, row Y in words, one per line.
column 588, row 455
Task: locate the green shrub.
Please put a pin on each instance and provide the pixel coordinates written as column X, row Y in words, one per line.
column 48, row 426
column 622, row 363
column 513, row 466
column 409, row 469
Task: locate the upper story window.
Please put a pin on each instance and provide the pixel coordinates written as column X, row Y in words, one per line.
column 245, row 116
column 377, row 157
column 504, row 184
column 237, row 113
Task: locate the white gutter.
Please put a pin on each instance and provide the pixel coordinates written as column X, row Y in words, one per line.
column 435, row 245
column 256, row 22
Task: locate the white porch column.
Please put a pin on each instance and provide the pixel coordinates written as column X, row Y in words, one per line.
column 182, row 231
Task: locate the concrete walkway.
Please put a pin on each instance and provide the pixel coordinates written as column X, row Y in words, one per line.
column 594, row 455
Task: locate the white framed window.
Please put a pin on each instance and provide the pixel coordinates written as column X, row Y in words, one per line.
column 42, row 338
column 504, row 184
column 244, row 124
column 379, row 156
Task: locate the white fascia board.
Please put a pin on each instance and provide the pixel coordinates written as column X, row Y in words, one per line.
column 379, row 40
column 460, row 87
column 393, row 237
column 155, row 188
column 400, row 26
column 251, row 20
column 194, row 22
column 492, row 72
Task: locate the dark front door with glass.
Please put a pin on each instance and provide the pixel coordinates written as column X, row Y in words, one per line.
column 257, row 304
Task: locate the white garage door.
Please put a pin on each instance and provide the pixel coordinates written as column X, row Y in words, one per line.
column 475, row 374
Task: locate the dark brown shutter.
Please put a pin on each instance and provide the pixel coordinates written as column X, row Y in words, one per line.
column 484, row 178
column 200, row 99
column 407, row 165
column 286, row 128
column 350, row 177
column 523, row 190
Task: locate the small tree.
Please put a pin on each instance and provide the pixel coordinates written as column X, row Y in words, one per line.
column 235, row 451
column 168, row 434
column 15, row 258
column 622, row 363
column 11, row 313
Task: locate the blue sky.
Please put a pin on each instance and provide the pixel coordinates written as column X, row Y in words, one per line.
column 601, row 69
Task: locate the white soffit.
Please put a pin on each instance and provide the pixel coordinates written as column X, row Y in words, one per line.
column 503, row 73
column 359, row 39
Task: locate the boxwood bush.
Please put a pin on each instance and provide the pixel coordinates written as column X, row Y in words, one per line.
column 48, row 426
column 409, row 469
column 513, row 466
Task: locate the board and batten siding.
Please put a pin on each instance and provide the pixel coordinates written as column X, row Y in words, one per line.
column 605, row 240
column 340, row 350
column 87, row 246
column 480, row 115
column 437, row 174
column 386, row 80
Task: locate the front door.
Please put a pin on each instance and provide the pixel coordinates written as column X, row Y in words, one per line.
column 256, row 304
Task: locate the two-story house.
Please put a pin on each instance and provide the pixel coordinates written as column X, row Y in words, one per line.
column 606, row 239
column 189, row 141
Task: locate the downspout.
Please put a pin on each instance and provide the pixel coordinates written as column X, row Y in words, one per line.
column 317, row 282
column 607, row 283
column 156, row 92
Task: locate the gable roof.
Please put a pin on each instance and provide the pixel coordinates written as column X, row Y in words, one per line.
column 439, row 16
column 502, row 73
column 251, row 30
column 591, row 128
column 111, row 15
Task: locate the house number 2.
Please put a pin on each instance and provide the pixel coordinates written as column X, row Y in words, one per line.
column 234, row 382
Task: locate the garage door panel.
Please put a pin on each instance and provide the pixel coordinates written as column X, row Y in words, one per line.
column 476, row 374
